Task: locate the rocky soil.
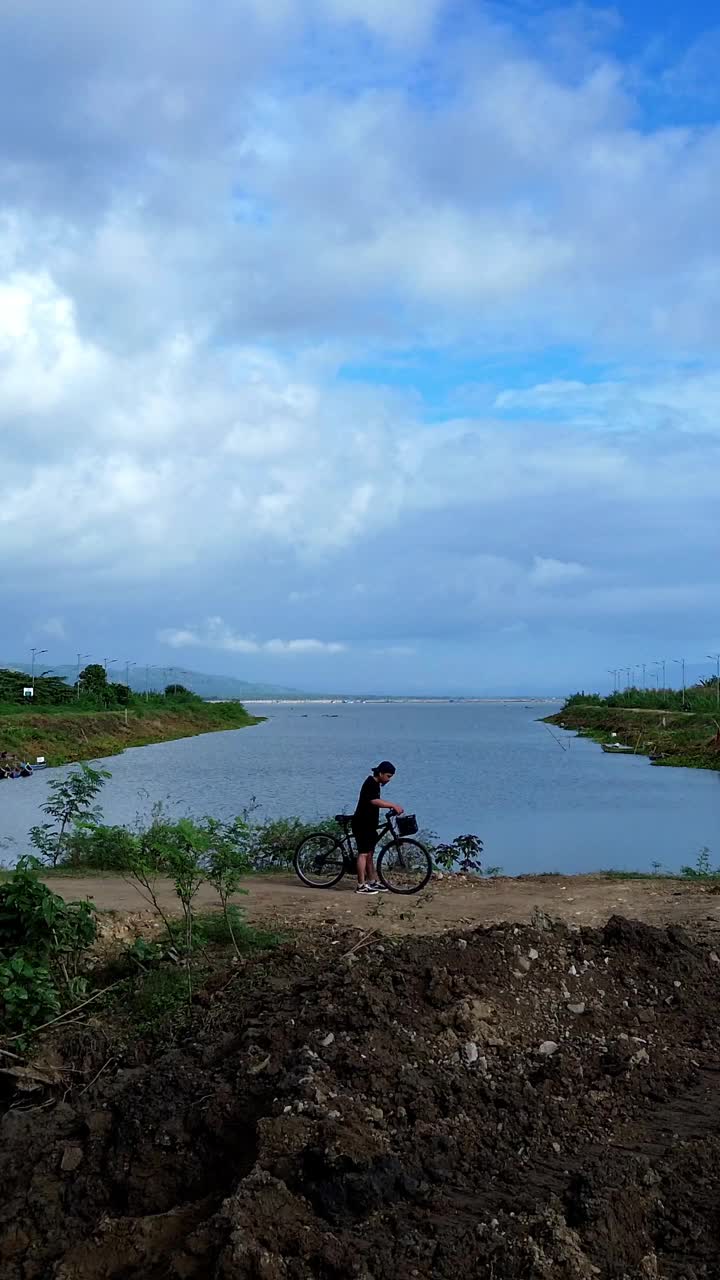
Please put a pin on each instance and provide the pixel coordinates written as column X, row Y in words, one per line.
column 533, row 1102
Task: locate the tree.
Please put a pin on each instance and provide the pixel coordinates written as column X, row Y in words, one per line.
column 93, row 681
column 177, row 691
column 70, row 806
column 119, row 693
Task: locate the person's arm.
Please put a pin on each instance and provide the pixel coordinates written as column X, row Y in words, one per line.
column 388, row 804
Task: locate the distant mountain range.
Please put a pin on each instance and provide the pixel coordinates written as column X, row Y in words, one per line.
column 142, row 678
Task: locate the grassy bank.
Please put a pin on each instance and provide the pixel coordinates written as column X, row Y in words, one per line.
column 688, row 739
column 63, row 735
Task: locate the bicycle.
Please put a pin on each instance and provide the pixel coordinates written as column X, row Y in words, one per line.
column 403, row 865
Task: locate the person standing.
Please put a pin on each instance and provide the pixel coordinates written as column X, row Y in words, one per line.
column 366, row 820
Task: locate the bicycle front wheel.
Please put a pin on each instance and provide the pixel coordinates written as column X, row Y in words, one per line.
column 404, row 866
column 320, row 860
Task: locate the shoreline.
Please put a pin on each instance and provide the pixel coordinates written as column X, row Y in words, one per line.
column 673, row 739
column 69, row 738
column 334, row 702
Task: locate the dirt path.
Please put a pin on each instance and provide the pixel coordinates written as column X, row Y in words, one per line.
column 582, row 900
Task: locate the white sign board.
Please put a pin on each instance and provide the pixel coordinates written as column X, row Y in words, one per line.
column 28, row 693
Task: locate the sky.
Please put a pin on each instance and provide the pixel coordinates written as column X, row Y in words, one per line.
column 361, row 347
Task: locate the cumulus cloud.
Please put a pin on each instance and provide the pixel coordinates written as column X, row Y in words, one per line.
column 215, row 634
column 238, row 246
column 54, row 628
column 552, row 573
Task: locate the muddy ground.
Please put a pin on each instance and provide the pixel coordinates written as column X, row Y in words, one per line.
column 528, row 1102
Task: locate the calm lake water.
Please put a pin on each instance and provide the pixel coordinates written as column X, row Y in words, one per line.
column 487, row 768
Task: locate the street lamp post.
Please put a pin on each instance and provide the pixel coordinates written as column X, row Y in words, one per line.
column 613, row 671
column 80, row 658
column 644, row 667
column 108, row 662
column 715, row 657
column 660, row 662
column 681, row 663
column 35, row 654
column 128, row 665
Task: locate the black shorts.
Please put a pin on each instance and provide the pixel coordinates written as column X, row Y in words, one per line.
column 366, row 837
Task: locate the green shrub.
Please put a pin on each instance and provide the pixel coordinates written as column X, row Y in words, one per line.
column 274, row 842
column 43, row 941
column 702, row 869
column 28, row 994
column 102, row 848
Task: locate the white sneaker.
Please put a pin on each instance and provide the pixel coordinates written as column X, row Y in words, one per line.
column 377, row 886
column 366, row 888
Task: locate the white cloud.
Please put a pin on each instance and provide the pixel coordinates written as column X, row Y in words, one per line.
column 403, row 20
column 181, row 455
column 178, row 358
column 214, row 633
column 553, row 573
column 54, row 628
column 684, row 400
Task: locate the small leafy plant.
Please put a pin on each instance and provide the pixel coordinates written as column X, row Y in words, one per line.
column 70, row 806
column 226, row 861
column 462, row 855
column 43, row 941
column 702, row 869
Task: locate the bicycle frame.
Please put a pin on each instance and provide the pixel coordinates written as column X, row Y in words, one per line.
column 347, row 840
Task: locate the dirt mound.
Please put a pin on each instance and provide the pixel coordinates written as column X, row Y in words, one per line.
column 510, row 1102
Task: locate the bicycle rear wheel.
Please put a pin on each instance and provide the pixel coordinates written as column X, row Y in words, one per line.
column 320, row 860
column 404, row 866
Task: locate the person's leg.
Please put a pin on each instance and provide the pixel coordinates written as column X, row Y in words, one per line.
column 362, row 867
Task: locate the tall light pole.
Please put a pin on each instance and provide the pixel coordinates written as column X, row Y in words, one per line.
column 108, row 662
column 613, row 671
column 715, row 657
column 80, row 658
column 35, row 653
column 660, row 662
column 681, row 663
column 128, row 665
column 644, row 666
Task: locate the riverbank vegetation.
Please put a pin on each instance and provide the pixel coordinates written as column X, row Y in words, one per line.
column 46, row 945
column 670, row 726
column 96, row 717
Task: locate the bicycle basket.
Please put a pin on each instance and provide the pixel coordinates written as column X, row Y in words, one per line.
column 407, row 825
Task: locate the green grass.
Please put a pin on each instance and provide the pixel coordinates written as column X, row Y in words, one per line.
column 611, row 874
column 154, row 998
column 211, row 930
column 672, row 738
column 65, row 734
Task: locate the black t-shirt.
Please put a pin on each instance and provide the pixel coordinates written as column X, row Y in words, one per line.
column 367, row 814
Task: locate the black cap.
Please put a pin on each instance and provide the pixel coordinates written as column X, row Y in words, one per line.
column 384, row 767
